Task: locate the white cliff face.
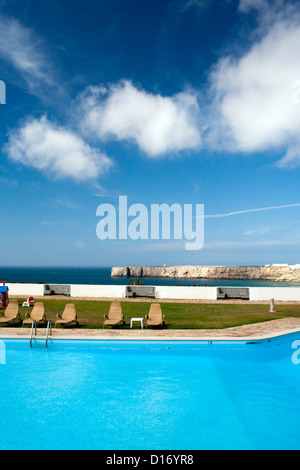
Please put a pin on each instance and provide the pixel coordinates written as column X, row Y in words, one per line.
column 277, row 273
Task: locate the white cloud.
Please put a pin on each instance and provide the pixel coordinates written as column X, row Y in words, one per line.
column 20, row 47
column 157, row 124
column 255, row 108
column 56, row 151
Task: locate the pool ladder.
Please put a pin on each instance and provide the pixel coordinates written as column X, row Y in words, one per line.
column 34, row 332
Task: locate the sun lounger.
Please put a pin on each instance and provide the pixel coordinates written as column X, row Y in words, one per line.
column 115, row 316
column 155, row 317
column 11, row 314
column 37, row 315
column 68, row 317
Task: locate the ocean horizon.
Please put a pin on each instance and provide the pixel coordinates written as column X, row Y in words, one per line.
column 102, row 276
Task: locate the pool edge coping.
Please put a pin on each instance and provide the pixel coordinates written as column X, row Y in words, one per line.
column 255, row 337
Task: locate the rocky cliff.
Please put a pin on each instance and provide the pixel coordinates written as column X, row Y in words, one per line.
column 282, row 273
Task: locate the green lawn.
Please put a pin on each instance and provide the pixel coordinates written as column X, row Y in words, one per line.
column 178, row 316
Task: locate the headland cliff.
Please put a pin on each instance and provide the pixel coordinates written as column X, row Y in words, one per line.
column 275, row 273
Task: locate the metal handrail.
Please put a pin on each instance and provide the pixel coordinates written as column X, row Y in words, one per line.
column 33, row 328
column 49, row 330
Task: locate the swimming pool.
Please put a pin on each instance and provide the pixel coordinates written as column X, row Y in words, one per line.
column 115, row 395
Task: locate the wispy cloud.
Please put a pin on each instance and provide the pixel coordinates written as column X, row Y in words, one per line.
column 80, row 245
column 56, row 223
column 251, row 211
column 234, row 245
column 246, row 5
column 194, row 4
column 25, row 52
column 263, row 6
column 259, row 232
column 8, row 182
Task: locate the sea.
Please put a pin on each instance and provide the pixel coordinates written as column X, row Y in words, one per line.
column 102, row 276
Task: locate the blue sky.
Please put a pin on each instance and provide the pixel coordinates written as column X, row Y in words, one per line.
column 164, row 101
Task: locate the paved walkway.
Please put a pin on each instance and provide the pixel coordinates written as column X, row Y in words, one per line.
column 257, row 331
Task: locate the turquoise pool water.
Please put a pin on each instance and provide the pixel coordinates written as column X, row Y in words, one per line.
column 157, row 396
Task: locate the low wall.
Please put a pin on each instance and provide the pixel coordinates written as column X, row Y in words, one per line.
column 257, row 294
column 114, row 292
column 186, row 293
column 288, row 294
column 26, row 290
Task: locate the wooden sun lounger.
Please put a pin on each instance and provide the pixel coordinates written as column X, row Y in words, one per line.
column 115, row 316
column 155, row 317
column 11, row 314
column 37, row 315
column 68, row 317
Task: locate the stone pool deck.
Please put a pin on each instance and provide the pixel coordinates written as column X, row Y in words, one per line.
column 256, row 331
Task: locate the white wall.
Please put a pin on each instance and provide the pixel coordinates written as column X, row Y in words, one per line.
column 257, row 294
column 26, row 290
column 114, row 292
column 186, row 293
column 277, row 293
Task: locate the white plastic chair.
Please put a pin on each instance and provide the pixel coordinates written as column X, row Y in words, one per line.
column 29, row 302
